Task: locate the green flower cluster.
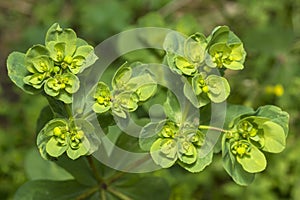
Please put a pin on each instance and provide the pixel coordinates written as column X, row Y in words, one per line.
column 70, row 136
column 52, row 67
column 251, row 135
column 128, row 89
column 175, row 140
column 181, row 145
column 196, row 57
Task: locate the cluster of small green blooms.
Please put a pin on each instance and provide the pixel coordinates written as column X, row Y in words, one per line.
column 209, row 88
column 225, row 50
column 251, row 136
column 127, row 92
column 195, row 56
column 241, row 148
column 53, row 66
column 102, row 98
column 62, row 135
column 178, row 144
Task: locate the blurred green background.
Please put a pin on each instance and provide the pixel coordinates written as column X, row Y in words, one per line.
column 270, row 30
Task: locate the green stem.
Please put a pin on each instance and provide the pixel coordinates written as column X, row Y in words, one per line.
column 118, row 194
column 88, row 193
column 94, row 169
column 103, row 197
column 69, row 110
column 204, row 127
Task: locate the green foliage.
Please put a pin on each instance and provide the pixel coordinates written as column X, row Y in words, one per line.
column 128, row 90
column 269, row 77
column 53, row 66
column 249, row 137
column 178, row 139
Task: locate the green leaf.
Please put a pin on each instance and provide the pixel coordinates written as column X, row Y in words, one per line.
column 128, row 101
column 45, row 116
column 146, row 188
column 234, row 65
column 233, row 168
column 55, row 150
column 191, row 96
column 234, row 112
column 57, row 34
column 76, row 153
column 98, row 108
column 84, row 51
column 52, row 87
column 276, row 115
column 184, row 65
column 172, row 107
column 161, row 158
column 79, row 169
column 119, row 112
column 17, row 71
column 72, row 84
column 274, row 137
column 139, row 80
column 219, row 88
column 194, row 47
column 200, row 163
column 128, row 143
column 148, row 134
column 254, row 162
column 219, row 35
column 89, row 55
column 233, row 39
column 35, row 51
column 146, row 91
column 46, row 190
column 46, row 134
column 38, row 168
column 121, row 76
column 174, row 43
column 191, row 157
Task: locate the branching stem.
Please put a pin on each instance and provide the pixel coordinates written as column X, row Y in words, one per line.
column 118, row 194
column 204, row 127
column 94, row 169
column 88, row 193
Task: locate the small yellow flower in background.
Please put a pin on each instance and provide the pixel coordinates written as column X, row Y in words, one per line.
column 277, row 90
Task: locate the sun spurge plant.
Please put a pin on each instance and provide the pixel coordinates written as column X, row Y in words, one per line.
column 180, row 136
